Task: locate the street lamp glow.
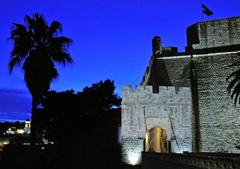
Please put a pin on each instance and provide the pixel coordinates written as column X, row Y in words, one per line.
column 134, row 158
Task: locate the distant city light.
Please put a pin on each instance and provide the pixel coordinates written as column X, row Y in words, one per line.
column 5, row 142
column 27, row 127
column 11, row 130
column 20, row 131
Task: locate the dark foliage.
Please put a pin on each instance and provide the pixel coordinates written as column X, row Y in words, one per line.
column 84, row 125
column 71, row 112
column 234, row 82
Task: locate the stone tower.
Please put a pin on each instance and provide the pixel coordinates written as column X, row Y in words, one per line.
column 185, row 94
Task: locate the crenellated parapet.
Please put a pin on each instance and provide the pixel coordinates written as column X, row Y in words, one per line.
column 145, row 94
column 214, row 33
column 191, row 105
column 142, row 110
column 170, row 90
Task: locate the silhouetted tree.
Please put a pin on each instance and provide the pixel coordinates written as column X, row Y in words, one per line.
column 68, row 111
column 234, row 82
column 37, row 47
column 84, row 125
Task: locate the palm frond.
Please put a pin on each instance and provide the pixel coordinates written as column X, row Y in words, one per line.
column 58, row 49
column 37, row 27
column 55, row 27
column 60, row 42
column 235, row 93
column 30, row 22
column 13, row 62
column 233, row 87
column 236, row 99
column 232, row 75
column 17, row 31
column 53, row 73
column 41, row 27
column 62, row 57
column 22, row 44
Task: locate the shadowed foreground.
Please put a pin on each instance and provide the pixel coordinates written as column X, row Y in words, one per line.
column 89, row 151
column 190, row 161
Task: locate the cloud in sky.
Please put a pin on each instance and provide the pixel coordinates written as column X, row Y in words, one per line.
column 15, row 104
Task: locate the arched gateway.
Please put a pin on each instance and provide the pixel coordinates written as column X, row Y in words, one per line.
column 159, row 122
column 156, row 140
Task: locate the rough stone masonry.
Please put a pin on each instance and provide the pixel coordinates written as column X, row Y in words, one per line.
column 186, row 94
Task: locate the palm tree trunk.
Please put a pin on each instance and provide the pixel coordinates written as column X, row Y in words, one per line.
column 34, row 121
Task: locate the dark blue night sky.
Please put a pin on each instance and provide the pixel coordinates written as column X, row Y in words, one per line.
column 112, row 39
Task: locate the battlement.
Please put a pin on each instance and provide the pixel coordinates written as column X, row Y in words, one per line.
column 214, row 33
column 163, row 90
column 142, row 110
column 189, row 117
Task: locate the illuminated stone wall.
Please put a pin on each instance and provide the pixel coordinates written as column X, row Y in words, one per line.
column 214, row 33
column 169, row 109
column 219, row 119
column 203, row 114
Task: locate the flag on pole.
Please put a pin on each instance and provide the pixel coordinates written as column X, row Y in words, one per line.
column 207, row 11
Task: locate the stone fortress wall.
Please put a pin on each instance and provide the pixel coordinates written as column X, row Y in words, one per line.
column 214, row 33
column 219, row 119
column 218, row 125
column 214, row 124
column 142, row 110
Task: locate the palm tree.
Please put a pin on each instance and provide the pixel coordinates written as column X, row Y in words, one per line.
column 234, row 82
column 37, row 47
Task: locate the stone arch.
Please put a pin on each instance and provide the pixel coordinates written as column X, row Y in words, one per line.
column 156, row 122
column 156, row 140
